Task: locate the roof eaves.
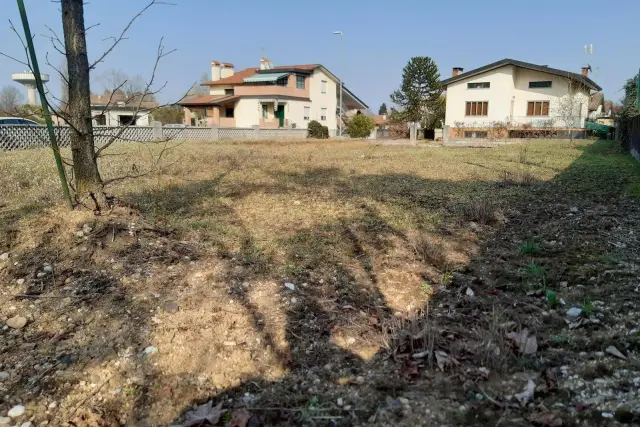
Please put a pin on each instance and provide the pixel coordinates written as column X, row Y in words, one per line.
column 354, row 96
column 586, row 80
column 287, row 69
column 203, row 100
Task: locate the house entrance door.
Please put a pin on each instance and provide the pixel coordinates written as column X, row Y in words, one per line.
column 280, row 115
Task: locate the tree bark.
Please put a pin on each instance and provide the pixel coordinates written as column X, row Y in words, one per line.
column 88, row 183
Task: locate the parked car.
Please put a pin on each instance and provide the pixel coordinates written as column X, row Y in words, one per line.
column 16, row 132
column 16, row 121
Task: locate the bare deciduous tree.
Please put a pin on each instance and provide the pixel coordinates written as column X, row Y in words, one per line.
column 130, row 86
column 199, row 89
column 74, row 107
column 569, row 107
column 88, row 182
column 10, row 100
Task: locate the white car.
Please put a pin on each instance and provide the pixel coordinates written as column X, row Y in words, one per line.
column 17, row 121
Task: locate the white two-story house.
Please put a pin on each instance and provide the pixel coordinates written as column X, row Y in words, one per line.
column 268, row 96
column 511, row 98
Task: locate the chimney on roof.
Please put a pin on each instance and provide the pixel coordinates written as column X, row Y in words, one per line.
column 215, row 71
column 456, row 71
column 266, row 64
column 226, row 70
column 585, row 71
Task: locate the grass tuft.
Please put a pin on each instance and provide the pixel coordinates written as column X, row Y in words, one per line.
column 480, row 210
column 430, row 251
column 529, row 248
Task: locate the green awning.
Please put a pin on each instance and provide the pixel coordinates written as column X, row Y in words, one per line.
column 263, row 78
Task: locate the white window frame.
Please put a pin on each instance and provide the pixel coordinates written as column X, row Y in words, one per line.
column 323, row 117
column 307, row 113
column 300, row 79
column 473, row 85
column 323, row 86
column 265, row 112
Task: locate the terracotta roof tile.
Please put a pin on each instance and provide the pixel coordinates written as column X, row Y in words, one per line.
column 380, row 120
column 118, row 98
column 208, row 100
column 226, row 64
column 238, row 77
column 298, row 67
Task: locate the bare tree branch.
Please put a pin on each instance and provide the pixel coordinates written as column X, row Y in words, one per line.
column 147, row 91
column 55, row 39
column 15, row 59
column 60, row 73
column 121, row 37
column 90, row 27
column 24, row 46
column 113, row 92
column 153, row 167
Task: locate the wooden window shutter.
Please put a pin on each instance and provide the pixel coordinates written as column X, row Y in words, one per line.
column 485, row 108
column 474, row 105
column 538, row 109
column 545, row 108
column 468, row 110
column 530, row 109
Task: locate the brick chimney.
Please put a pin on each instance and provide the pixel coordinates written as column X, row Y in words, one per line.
column 456, row 71
column 585, row 71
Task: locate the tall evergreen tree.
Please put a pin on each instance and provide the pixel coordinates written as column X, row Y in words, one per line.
column 383, row 109
column 419, row 98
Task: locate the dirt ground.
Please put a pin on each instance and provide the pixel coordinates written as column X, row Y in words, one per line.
column 326, row 284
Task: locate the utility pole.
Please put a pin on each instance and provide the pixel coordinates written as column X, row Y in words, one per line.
column 43, row 101
column 339, row 33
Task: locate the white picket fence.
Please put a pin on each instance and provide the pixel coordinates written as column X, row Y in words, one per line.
column 21, row 137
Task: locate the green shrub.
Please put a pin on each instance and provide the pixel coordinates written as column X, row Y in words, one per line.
column 360, row 126
column 317, row 131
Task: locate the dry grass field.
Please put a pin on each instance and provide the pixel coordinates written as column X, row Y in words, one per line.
column 325, row 283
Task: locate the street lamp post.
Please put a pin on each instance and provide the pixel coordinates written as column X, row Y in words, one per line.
column 339, row 33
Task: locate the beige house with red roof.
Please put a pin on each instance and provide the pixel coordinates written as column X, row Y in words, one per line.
column 271, row 97
column 118, row 109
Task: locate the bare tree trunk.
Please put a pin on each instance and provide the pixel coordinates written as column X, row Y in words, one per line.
column 88, row 183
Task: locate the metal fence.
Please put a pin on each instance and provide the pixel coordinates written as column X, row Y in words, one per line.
column 20, row 137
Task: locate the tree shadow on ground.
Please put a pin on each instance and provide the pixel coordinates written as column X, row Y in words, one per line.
column 316, row 392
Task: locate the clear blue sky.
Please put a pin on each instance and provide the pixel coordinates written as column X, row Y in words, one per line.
column 379, row 37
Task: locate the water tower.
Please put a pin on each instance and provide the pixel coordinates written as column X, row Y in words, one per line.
column 28, row 79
